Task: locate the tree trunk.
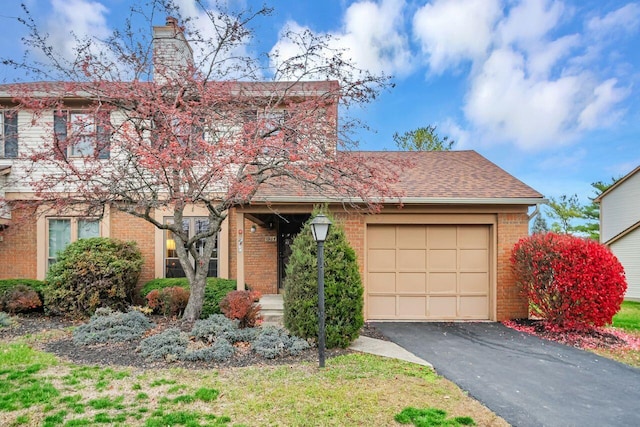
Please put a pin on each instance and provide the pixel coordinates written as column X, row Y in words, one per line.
column 196, row 299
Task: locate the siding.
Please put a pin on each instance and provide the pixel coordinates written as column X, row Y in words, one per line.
column 627, row 249
column 620, row 209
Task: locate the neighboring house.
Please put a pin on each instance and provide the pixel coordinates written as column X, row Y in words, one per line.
column 442, row 255
column 620, row 227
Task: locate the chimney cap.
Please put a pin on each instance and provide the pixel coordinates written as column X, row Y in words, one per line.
column 172, row 21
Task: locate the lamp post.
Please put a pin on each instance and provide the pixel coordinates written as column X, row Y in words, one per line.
column 320, row 229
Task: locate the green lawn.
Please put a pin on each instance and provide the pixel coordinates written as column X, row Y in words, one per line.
column 37, row 389
column 628, row 317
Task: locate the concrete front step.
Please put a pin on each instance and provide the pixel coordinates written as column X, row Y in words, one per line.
column 272, row 309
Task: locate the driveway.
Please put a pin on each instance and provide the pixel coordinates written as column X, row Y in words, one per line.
column 525, row 380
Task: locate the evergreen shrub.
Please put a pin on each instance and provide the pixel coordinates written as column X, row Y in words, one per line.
column 344, row 300
column 93, row 273
column 112, row 326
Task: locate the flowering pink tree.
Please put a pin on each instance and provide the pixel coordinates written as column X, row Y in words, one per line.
column 164, row 128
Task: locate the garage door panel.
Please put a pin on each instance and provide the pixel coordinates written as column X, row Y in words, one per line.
column 442, row 259
column 381, row 237
column 442, row 307
column 382, row 282
column 442, row 237
column 474, row 259
column 414, row 307
column 412, row 237
column 412, row 259
column 382, row 307
column 382, row 260
column 428, row 272
column 473, row 237
column 474, row 307
column 474, row 283
column 443, row 283
column 412, row 283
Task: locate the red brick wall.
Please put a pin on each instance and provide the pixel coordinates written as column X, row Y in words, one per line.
column 260, row 259
column 18, row 248
column 354, row 228
column 127, row 227
column 260, row 256
column 510, row 304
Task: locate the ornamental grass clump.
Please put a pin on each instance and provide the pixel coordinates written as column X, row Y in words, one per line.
column 571, row 283
column 112, row 326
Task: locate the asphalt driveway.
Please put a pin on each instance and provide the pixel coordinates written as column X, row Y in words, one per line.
column 525, row 380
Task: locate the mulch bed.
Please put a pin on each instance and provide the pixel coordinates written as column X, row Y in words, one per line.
column 126, row 354
column 595, row 338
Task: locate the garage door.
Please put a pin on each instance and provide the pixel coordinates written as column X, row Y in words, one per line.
column 434, row 272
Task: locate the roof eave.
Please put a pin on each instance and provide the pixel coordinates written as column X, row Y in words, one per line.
column 528, row 201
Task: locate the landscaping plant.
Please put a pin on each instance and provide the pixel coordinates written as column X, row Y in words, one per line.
column 168, row 301
column 20, row 299
column 93, row 273
column 343, row 288
column 571, row 283
column 242, row 306
column 215, row 290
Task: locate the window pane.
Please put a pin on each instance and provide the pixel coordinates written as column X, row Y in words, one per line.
column 59, row 236
column 83, row 128
column 88, row 228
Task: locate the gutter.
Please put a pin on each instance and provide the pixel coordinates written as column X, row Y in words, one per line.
column 529, row 201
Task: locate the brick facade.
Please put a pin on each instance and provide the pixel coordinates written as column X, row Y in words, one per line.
column 509, row 303
column 127, row 227
column 18, row 247
column 261, row 258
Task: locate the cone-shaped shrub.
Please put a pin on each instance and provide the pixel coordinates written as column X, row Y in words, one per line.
column 343, row 288
column 572, row 283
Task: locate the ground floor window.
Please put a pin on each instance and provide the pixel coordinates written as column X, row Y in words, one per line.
column 62, row 231
column 191, row 226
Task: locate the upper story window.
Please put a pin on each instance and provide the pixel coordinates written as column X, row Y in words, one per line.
column 88, row 130
column 9, row 134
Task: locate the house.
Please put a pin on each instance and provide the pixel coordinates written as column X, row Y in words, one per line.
column 620, row 227
column 442, row 255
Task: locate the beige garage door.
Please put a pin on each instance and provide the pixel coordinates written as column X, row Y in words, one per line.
column 434, row 272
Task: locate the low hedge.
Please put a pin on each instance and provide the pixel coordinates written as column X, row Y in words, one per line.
column 214, row 292
column 9, row 284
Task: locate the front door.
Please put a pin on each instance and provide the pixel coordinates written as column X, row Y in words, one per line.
column 288, row 227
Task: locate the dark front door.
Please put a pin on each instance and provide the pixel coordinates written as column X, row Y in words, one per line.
column 288, row 227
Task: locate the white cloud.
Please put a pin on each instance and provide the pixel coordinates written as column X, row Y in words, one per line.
column 601, row 110
column 625, row 19
column 84, row 18
column 453, row 31
column 504, row 103
column 529, row 22
column 371, row 37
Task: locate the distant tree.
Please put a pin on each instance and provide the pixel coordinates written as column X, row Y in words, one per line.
column 564, row 210
column 591, row 212
column 422, row 139
column 539, row 225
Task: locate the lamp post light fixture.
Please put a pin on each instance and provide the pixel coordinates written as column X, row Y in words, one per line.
column 320, row 229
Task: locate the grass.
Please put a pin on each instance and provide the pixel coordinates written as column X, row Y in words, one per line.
column 628, row 318
column 357, row 389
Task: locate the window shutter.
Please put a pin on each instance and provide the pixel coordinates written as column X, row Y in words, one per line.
column 103, row 136
column 11, row 134
column 60, row 134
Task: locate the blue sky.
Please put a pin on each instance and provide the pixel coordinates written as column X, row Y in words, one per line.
column 548, row 90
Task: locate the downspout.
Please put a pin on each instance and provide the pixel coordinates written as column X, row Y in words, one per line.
column 535, row 212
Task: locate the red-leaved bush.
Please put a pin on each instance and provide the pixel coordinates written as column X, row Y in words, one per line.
column 168, row 301
column 241, row 305
column 571, row 283
column 20, row 299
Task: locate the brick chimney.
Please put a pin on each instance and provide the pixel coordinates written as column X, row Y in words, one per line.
column 172, row 54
